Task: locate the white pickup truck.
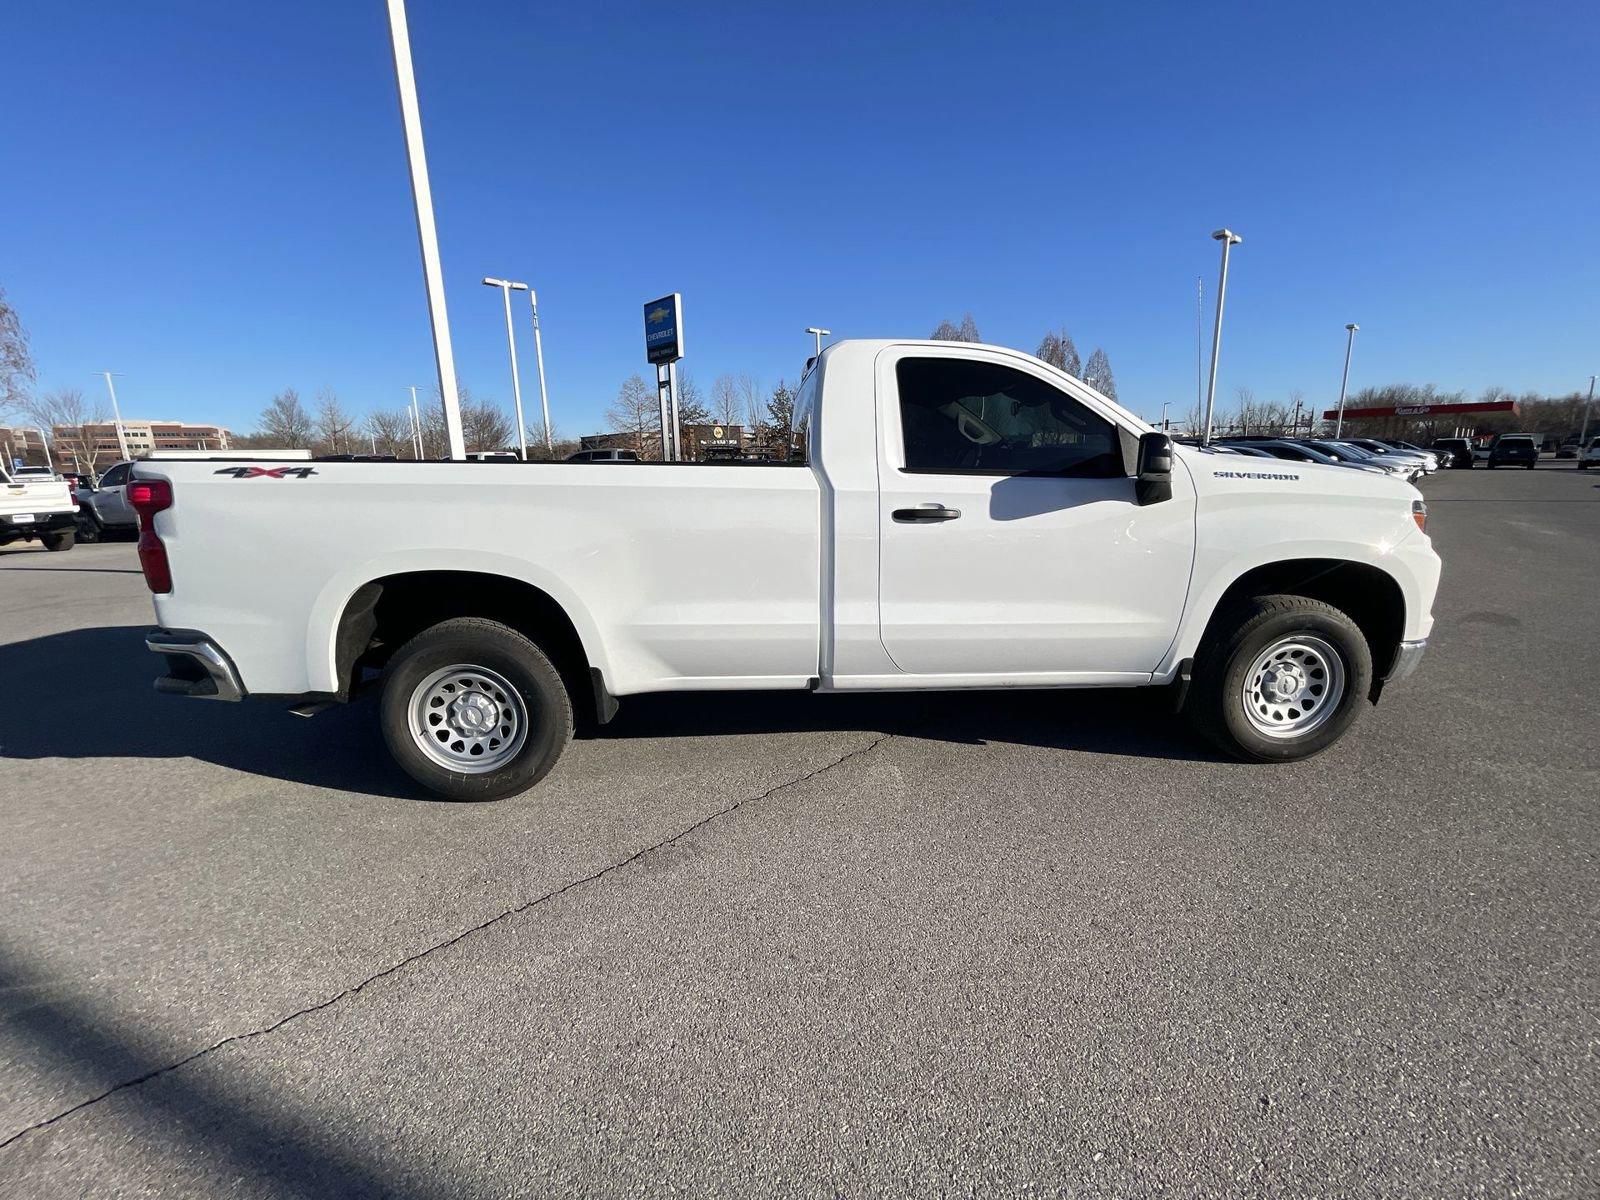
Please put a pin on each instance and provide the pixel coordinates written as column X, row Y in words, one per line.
column 953, row 516
column 32, row 508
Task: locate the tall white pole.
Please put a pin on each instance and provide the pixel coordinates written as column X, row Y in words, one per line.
column 505, row 286
column 416, row 426
column 672, row 399
column 1350, row 344
column 819, row 334
column 538, row 354
column 116, row 413
column 422, row 198
column 1583, row 434
column 1229, row 239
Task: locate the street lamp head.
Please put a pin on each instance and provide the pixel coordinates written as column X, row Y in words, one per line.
column 1352, row 327
column 1227, row 235
column 491, row 282
column 516, row 287
column 818, row 332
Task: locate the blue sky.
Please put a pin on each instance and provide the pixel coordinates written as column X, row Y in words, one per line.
column 212, row 200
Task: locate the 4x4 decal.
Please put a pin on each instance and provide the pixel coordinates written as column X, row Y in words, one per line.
column 267, row 472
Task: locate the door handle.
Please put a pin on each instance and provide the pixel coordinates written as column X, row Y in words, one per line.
column 926, row 514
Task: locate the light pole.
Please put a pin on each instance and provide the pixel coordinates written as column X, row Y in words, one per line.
column 1229, row 239
column 538, row 357
column 1350, row 344
column 507, row 286
column 49, row 461
column 1583, row 434
column 416, row 426
column 819, row 334
column 116, row 413
column 427, row 234
column 1165, row 404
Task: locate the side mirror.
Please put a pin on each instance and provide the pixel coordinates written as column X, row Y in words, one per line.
column 1153, row 483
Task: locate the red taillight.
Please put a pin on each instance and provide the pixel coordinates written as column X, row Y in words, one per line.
column 148, row 497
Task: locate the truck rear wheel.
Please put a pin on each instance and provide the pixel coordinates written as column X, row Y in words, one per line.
column 1279, row 679
column 58, row 541
column 473, row 710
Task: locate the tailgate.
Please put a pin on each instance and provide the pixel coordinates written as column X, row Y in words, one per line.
column 38, row 498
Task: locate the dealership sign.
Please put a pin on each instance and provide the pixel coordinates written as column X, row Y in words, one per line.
column 663, row 329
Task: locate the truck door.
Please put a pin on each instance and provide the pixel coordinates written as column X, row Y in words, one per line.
column 1010, row 540
column 110, row 499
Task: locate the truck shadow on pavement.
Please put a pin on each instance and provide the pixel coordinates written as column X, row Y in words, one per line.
column 122, row 717
column 261, row 1135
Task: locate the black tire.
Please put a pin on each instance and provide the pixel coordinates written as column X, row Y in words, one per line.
column 1531, row 466
column 58, row 541
column 1216, row 705
column 488, row 646
column 1490, row 465
column 88, row 529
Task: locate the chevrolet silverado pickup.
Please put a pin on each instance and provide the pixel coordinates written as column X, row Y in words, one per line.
column 37, row 508
column 950, row 516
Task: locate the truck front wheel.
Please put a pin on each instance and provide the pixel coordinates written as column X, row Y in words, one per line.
column 1279, row 678
column 473, row 710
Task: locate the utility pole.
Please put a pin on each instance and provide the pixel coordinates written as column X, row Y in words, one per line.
column 1199, row 341
column 427, row 234
column 116, row 413
column 416, row 426
column 1350, row 344
column 1583, row 434
column 1229, row 239
column 506, row 287
column 819, row 334
column 538, row 357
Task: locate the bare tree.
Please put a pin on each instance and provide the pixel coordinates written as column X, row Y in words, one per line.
column 389, row 432
column 285, row 421
column 692, row 408
column 65, row 409
column 1097, row 373
column 16, row 362
column 634, row 412
column 725, row 401
column 967, row 331
column 1058, row 350
column 752, row 400
column 484, row 426
column 333, row 423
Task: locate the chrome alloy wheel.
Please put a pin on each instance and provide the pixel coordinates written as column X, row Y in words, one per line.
column 1293, row 687
column 467, row 719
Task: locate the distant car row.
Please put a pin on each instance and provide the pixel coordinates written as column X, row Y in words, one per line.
column 1401, row 460
column 1404, row 460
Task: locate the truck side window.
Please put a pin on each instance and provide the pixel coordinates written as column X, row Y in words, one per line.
column 983, row 418
column 115, row 477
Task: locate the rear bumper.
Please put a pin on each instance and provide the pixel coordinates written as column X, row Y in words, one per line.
column 49, row 522
column 1405, row 662
column 196, row 666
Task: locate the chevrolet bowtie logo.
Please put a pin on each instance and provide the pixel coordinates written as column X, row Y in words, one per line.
column 657, row 315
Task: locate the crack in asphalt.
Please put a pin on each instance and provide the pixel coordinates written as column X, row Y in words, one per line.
column 410, row 959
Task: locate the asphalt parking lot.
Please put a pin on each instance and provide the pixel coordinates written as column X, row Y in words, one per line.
column 1026, row 943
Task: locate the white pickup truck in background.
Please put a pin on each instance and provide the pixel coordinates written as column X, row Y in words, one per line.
column 953, row 516
column 37, row 509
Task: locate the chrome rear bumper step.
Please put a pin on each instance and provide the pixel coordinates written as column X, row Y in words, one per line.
column 196, row 666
